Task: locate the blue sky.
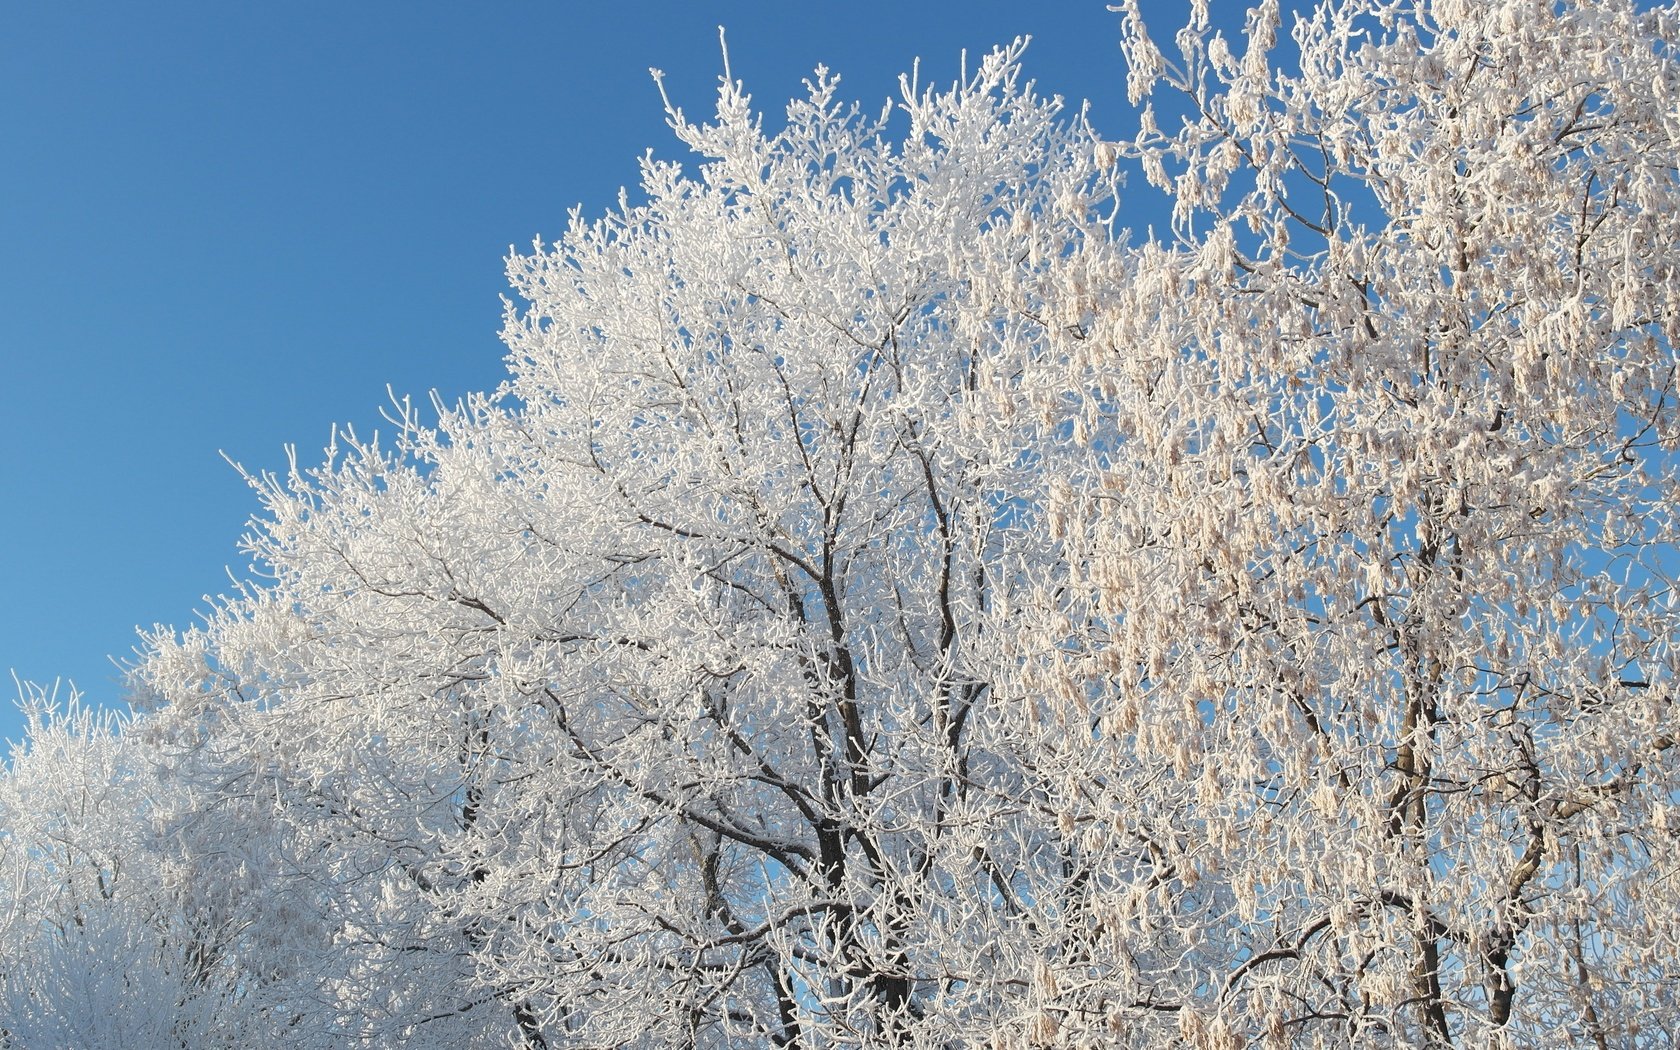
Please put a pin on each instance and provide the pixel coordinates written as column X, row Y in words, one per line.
column 226, row 227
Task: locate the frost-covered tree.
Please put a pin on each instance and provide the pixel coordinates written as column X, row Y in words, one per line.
column 1387, row 546
column 655, row 700
column 888, row 604
column 99, row 946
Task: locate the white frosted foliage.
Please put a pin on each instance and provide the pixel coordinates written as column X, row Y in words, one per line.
column 888, row 604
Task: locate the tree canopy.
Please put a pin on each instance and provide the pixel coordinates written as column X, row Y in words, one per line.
column 890, row 604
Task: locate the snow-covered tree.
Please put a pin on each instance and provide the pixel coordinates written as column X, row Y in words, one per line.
column 99, row 947
column 1388, row 548
column 889, row 604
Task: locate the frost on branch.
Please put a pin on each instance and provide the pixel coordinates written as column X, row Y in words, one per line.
column 888, row 605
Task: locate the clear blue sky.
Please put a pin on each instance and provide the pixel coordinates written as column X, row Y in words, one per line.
column 228, row 226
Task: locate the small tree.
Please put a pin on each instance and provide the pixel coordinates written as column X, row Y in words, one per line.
column 888, row 605
column 97, row 947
